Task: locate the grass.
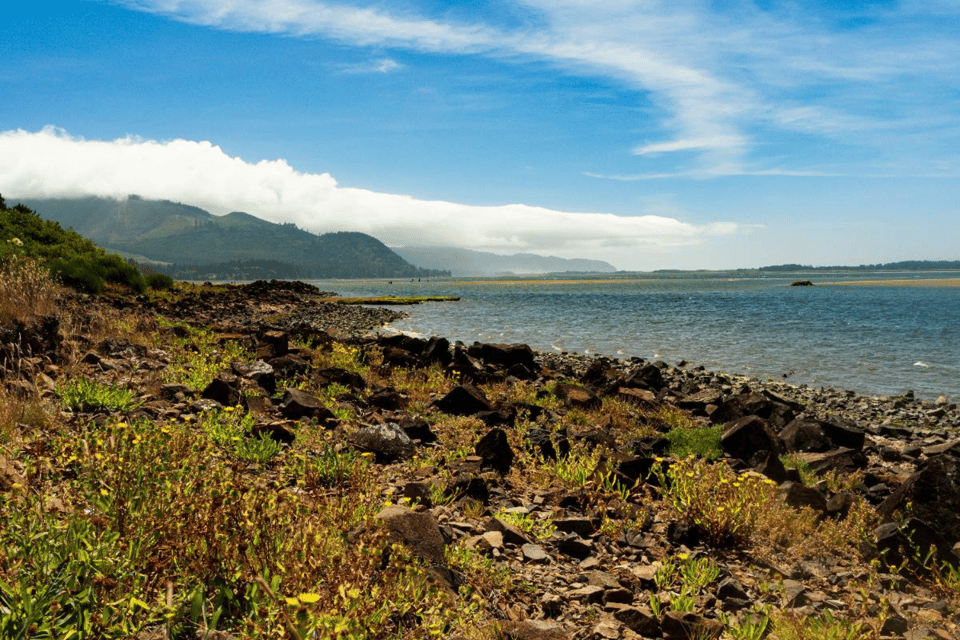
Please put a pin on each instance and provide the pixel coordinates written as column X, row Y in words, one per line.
column 26, row 292
column 698, row 441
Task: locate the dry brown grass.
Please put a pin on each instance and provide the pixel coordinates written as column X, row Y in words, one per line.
column 19, row 414
column 26, row 290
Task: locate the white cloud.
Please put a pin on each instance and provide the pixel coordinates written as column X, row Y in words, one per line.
column 51, row 163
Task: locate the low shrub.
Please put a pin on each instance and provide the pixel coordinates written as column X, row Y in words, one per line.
column 78, row 274
column 88, row 274
column 724, row 507
column 158, row 281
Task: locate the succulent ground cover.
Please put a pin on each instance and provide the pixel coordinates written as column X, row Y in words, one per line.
column 215, row 462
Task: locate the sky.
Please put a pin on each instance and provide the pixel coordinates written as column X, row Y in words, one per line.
column 684, row 134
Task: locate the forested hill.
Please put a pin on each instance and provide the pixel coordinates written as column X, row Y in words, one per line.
column 906, row 265
column 188, row 238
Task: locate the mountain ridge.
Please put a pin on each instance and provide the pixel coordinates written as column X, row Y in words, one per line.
column 164, row 231
column 468, row 262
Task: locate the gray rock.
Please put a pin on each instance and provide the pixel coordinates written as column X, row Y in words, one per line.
column 534, row 553
column 387, row 441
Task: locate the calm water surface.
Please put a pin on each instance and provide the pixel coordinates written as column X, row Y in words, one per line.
column 875, row 340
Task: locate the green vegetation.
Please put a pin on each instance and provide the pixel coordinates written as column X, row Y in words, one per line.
column 74, row 260
column 82, row 394
column 698, row 441
column 725, row 508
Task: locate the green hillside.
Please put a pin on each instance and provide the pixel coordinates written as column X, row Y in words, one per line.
column 28, row 238
column 192, row 239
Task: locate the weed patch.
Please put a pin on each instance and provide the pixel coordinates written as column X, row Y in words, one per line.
column 82, row 394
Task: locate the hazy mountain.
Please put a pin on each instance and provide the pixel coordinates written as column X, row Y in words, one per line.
column 170, row 232
column 465, row 262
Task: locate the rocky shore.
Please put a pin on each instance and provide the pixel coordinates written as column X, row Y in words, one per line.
column 471, row 441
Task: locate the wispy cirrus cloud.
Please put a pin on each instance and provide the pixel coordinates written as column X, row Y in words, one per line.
column 382, row 65
column 728, row 82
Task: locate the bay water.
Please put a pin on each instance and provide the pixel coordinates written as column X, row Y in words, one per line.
column 873, row 338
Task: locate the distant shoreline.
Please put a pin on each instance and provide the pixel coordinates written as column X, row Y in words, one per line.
column 918, row 282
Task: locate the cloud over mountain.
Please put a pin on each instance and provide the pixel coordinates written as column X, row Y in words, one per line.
column 52, row 163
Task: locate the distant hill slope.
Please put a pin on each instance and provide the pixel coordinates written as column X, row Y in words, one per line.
column 905, row 265
column 165, row 231
column 465, row 262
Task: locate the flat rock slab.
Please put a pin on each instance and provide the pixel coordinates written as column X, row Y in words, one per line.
column 388, row 442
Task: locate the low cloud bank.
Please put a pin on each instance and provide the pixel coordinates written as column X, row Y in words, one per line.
column 51, row 163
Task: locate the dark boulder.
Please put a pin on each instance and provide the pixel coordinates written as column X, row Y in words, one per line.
column 602, row 376
column 336, row 375
column 420, row 532
column 932, row 495
column 576, row 396
column 289, row 366
column 747, row 436
column 804, row 435
column 770, row 465
column 495, row 450
column 639, row 397
column 410, row 344
column 842, row 460
column 503, row 356
column 468, row 368
column 417, row 429
column 463, row 400
column 437, row 350
column 273, row 344
column 397, row 357
column 222, row 389
column 277, row 432
column 387, row 398
column 910, row 542
column 547, row 444
column 259, row 371
column 297, row 404
column 647, row 377
column 841, row 435
column 796, row 495
column 469, row 485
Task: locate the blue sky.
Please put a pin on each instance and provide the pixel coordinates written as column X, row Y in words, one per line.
column 650, row 134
